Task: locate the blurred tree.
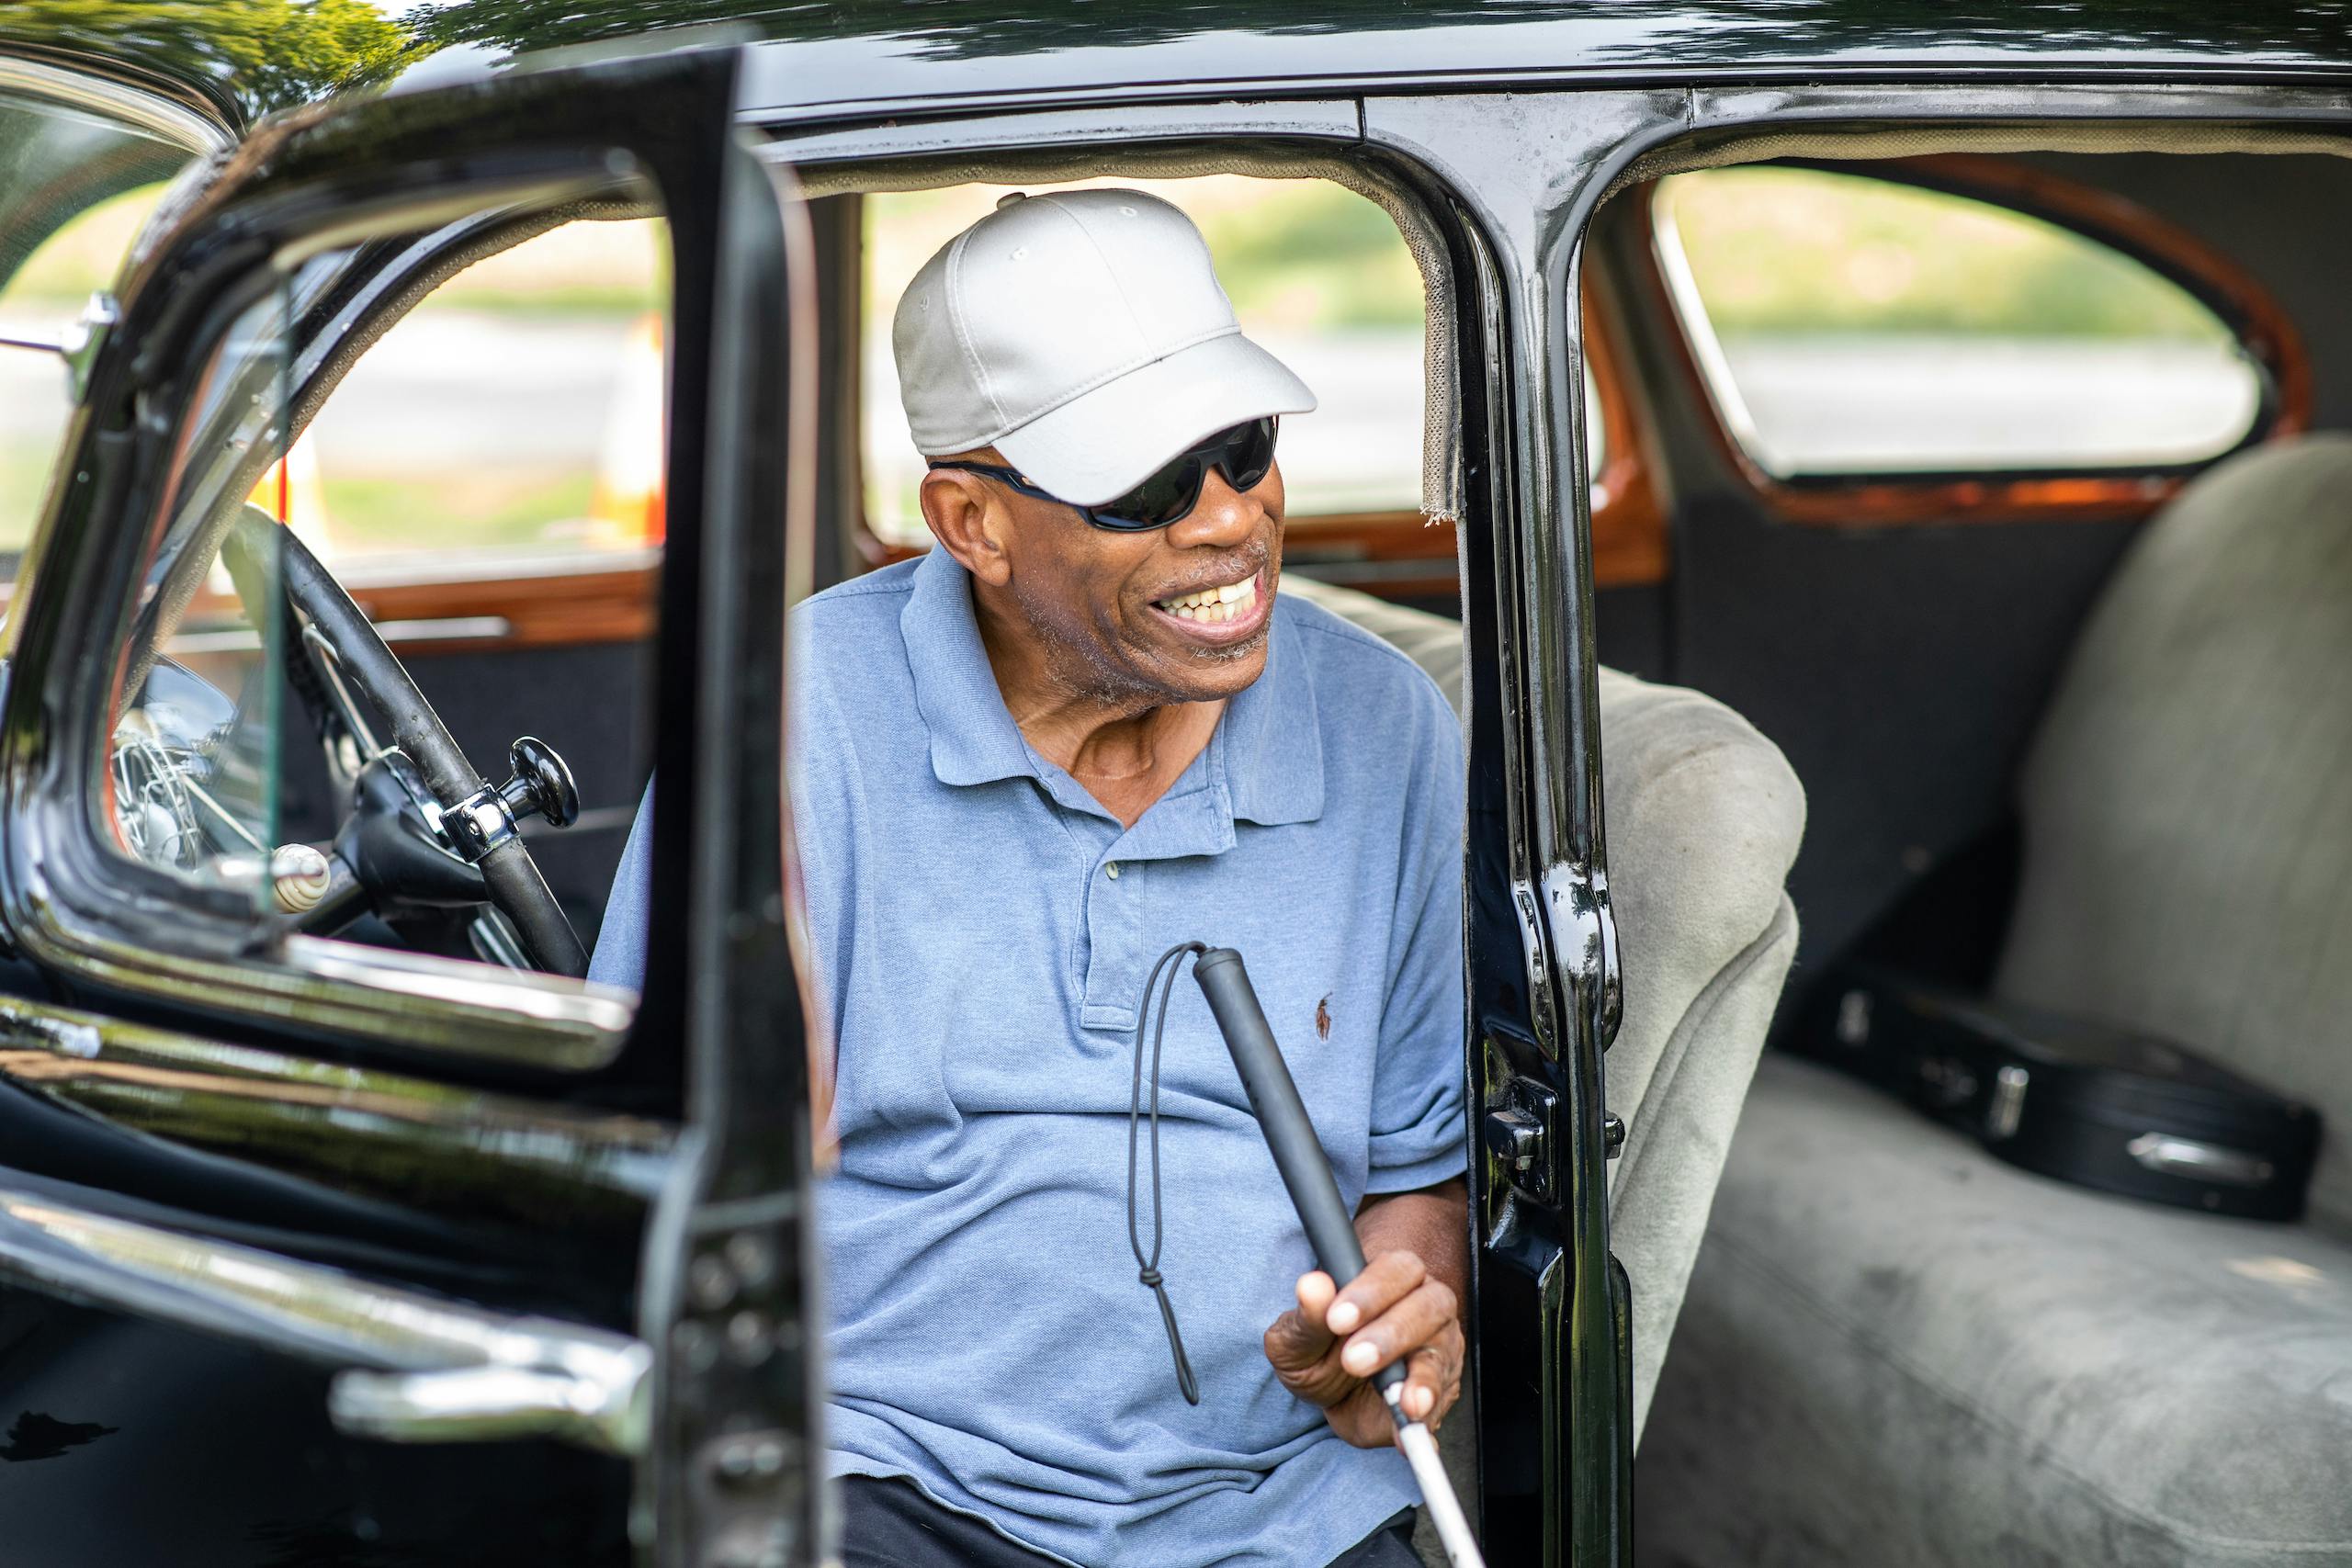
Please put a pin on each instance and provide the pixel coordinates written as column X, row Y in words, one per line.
column 1736, row 29
column 251, row 56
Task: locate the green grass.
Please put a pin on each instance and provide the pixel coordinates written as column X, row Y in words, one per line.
column 1315, row 257
column 377, row 514
column 1795, row 251
column 1294, row 256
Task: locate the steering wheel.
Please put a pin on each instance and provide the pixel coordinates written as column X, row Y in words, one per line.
column 477, row 822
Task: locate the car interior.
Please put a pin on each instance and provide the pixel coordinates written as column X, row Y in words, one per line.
column 2067, row 706
column 1972, row 538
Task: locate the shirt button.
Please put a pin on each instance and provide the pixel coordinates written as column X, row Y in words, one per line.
column 1112, row 870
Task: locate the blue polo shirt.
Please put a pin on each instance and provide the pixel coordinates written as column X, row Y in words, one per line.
column 980, row 930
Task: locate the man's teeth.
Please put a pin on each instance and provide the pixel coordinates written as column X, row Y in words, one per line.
column 1230, row 603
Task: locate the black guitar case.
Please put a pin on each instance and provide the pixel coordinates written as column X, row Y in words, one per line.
column 2085, row 1102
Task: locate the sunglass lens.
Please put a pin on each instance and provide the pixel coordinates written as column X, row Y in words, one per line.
column 1161, row 498
column 1244, row 452
column 1249, row 453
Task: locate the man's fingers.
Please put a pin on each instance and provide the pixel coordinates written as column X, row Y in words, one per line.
column 1298, row 1340
column 1385, row 1280
column 1434, row 1380
column 1423, row 1314
column 1315, row 1293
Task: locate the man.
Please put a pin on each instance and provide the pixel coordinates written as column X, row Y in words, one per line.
column 1081, row 729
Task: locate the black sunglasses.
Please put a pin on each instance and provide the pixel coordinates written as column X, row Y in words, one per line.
column 1242, row 453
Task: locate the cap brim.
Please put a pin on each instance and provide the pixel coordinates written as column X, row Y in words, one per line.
column 1105, row 442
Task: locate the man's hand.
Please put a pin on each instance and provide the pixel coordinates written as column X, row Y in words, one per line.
column 1407, row 1304
column 1326, row 1348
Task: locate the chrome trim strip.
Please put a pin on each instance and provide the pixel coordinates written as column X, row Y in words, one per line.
column 125, row 104
column 546, row 999
column 445, row 628
column 463, row 1153
column 435, row 1006
column 520, row 1376
column 1706, row 349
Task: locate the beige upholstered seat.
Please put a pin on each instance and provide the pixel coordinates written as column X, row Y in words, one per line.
column 1900, row 1352
column 1703, row 817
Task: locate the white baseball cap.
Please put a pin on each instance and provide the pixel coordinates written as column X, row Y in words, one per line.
column 1084, row 335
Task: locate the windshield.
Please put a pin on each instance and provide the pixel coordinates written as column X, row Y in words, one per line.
column 75, row 186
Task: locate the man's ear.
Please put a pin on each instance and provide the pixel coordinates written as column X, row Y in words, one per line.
column 969, row 523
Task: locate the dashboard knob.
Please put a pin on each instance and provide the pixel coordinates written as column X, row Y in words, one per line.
column 300, row 876
column 541, row 784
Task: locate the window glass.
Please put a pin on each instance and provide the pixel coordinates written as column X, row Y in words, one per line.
column 486, row 440
column 516, row 412
column 74, row 189
column 1317, row 274
column 1853, row 325
column 45, row 296
column 192, row 775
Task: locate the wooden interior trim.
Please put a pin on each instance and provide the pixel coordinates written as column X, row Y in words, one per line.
column 423, row 612
column 1629, row 534
column 551, row 609
column 2217, row 281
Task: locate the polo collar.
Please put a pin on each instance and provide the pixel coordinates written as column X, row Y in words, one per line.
column 1273, row 736
column 1267, row 746
column 973, row 737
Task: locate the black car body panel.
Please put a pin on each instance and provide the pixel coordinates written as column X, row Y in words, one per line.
column 664, row 1190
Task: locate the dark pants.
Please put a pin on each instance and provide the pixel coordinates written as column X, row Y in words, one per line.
column 889, row 1524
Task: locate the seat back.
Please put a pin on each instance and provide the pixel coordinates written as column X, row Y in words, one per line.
column 2188, row 801
column 1703, row 817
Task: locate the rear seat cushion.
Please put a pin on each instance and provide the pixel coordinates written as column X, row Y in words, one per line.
column 1898, row 1352
column 2187, row 806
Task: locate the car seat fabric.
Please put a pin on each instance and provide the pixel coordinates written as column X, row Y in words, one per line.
column 2187, row 804
column 1703, row 815
column 1899, row 1350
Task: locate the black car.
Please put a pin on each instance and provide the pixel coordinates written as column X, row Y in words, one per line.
column 1943, row 393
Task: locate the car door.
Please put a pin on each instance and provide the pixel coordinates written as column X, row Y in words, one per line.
column 361, row 1206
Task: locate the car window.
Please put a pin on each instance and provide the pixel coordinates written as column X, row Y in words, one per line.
column 1852, row 325
column 44, row 296
column 1316, row 272
column 74, row 189
column 515, row 414
column 511, row 420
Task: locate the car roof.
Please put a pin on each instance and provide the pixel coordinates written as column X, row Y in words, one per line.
column 247, row 58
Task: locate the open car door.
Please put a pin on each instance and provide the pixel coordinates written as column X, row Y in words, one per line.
column 419, row 1205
